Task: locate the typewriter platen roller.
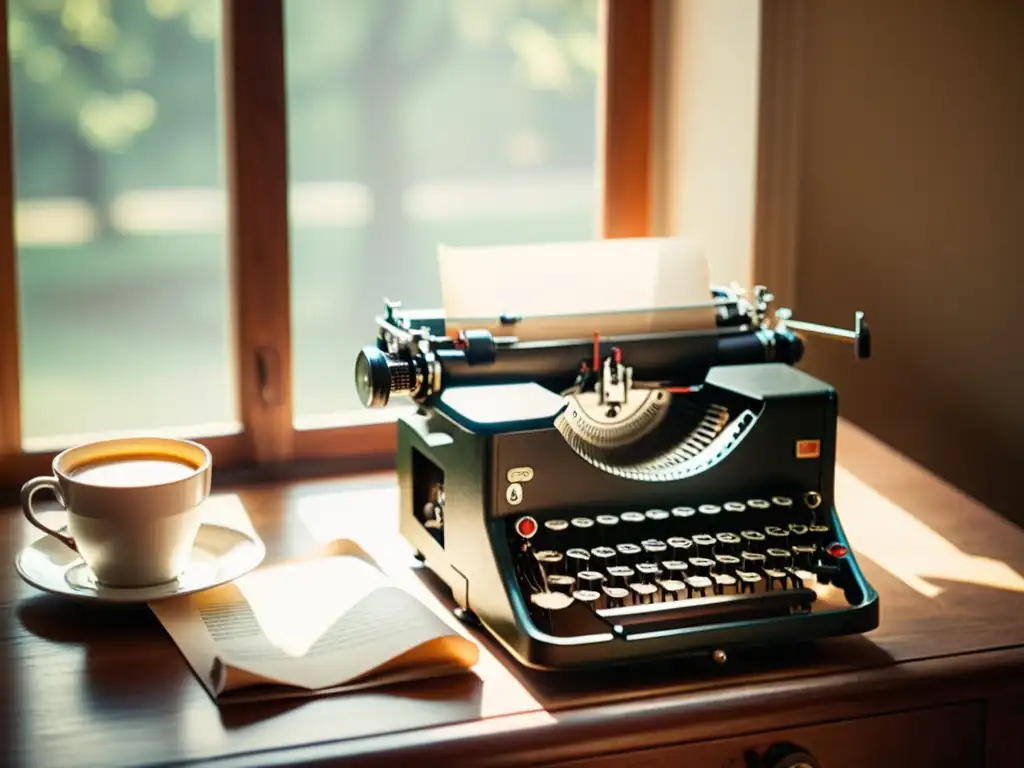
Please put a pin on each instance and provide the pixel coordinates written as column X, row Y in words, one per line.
column 599, row 500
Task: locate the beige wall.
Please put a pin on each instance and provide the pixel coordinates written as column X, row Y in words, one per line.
column 706, row 106
column 911, row 206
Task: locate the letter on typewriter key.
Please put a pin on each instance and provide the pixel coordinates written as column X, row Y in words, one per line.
column 683, row 512
column 777, row 537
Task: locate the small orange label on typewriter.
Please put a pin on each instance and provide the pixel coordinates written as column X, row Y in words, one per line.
column 808, row 449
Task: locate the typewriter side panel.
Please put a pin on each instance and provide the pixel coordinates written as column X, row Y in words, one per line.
column 439, row 460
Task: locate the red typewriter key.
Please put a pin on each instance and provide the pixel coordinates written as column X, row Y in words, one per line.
column 526, row 527
column 837, row 550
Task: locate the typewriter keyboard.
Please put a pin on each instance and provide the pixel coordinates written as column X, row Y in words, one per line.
column 713, row 562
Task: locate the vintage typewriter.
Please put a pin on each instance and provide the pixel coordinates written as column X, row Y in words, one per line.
column 605, row 499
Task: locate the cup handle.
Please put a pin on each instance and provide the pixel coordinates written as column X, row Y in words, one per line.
column 28, row 491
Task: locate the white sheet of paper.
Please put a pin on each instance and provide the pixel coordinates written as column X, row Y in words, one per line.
column 572, row 278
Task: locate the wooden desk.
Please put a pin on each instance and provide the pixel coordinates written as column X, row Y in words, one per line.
column 939, row 683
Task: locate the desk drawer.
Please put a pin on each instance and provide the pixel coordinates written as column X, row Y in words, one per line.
column 933, row 738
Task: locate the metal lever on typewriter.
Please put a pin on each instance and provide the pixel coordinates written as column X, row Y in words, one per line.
column 860, row 336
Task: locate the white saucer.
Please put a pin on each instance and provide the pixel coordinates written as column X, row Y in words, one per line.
column 219, row 555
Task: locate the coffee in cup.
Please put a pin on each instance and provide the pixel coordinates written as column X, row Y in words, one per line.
column 132, row 506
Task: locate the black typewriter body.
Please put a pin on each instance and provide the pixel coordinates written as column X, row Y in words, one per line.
column 493, row 571
column 607, row 500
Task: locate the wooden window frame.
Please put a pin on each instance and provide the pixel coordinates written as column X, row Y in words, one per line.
column 269, row 446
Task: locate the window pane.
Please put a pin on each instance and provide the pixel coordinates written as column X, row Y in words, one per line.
column 120, row 217
column 468, row 122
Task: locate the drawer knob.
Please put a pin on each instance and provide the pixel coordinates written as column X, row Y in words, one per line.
column 786, row 755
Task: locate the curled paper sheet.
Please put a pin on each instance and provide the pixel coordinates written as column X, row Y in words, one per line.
column 573, row 290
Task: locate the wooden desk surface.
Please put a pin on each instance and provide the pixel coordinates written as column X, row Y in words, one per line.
column 87, row 685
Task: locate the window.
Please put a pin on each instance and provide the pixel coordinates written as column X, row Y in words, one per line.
column 211, row 205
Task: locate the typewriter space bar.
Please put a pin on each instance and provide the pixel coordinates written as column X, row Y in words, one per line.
column 657, row 617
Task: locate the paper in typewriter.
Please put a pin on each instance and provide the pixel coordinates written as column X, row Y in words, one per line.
column 573, row 290
column 325, row 623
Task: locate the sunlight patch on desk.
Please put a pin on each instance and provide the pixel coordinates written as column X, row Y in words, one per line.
column 893, row 538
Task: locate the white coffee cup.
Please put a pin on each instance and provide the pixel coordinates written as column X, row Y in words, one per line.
column 132, row 506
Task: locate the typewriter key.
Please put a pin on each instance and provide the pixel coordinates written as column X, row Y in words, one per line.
column 797, row 531
column 734, row 506
column 727, row 542
column 648, row 570
column 589, row 579
column 702, row 565
column 657, row 515
column 759, row 504
column 709, row 509
column 705, row 544
column 778, row 557
column 724, row 583
column 776, row 535
column 775, row 578
column 628, row 553
column 607, row 521
column 802, row 554
column 561, row 583
column 699, row 585
column 752, row 561
column 556, row 525
column 620, row 575
column 818, row 534
column 675, row 568
column 674, row 588
column 632, row 517
column 748, row 581
column 726, row 563
column 616, row 595
column 683, row 511
column 551, row 601
column 548, row 556
column 653, row 547
column 643, row 593
column 752, row 540
column 602, row 556
column 587, row 596
column 577, row 559
column 782, row 501
column 679, row 544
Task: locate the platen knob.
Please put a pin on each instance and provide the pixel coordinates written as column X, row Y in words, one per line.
column 786, row 755
column 378, row 376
